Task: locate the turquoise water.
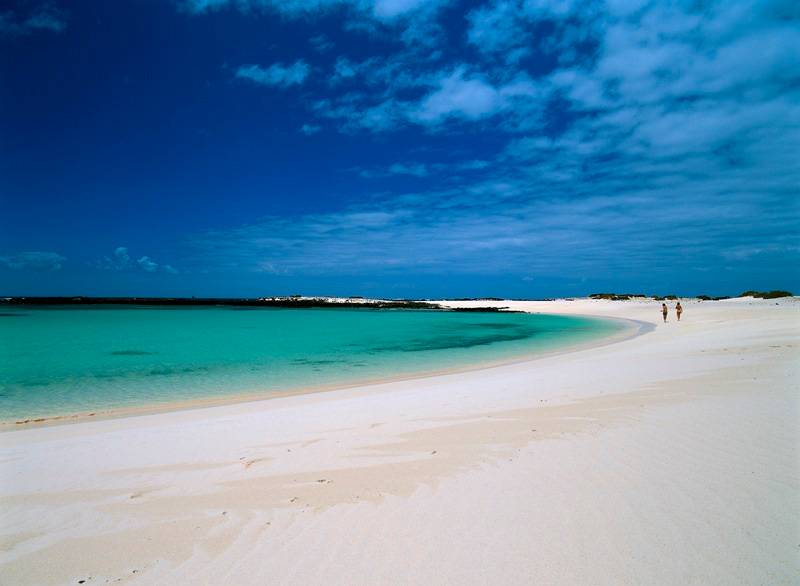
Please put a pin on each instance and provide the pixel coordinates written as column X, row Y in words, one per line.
column 62, row 360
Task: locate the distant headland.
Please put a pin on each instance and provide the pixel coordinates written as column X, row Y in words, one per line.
column 305, row 302
column 293, row 301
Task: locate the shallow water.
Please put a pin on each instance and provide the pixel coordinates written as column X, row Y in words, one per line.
column 61, row 360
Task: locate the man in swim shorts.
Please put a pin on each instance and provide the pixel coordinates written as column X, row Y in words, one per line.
column 664, row 311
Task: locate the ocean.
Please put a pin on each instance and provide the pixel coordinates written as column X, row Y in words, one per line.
column 69, row 360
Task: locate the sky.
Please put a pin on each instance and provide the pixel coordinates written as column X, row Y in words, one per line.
column 399, row 148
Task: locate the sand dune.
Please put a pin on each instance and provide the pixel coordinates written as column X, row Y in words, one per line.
column 672, row 457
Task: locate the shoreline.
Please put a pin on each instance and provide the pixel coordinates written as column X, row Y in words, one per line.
column 665, row 458
column 629, row 329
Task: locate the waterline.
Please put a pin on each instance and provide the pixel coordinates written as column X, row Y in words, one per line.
column 62, row 360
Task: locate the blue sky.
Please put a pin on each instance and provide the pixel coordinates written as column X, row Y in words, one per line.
column 418, row 148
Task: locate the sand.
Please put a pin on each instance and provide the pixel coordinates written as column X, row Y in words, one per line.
column 672, row 457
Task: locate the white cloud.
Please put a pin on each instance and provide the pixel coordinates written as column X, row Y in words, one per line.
column 309, row 129
column 469, row 97
column 495, row 26
column 147, row 264
column 35, row 260
column 121, row 256
column 413, row 22
column 642, row 135
column 417, row 169
column 343, row 70
column 321, row 43
column 389, row 9
column 356, row 115
column 276, row 75
column 510, row 29
column 414, row 169
column 384, row 10
column 203, row 6
column 121, row 260
column 45, row 17
column 527, row 227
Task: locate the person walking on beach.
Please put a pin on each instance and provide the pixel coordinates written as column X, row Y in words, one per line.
column 679, row 310
column 664, row 311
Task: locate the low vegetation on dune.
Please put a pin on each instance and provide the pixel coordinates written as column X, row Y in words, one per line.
column 616, row 296
column 627, row 296
column 766, row 294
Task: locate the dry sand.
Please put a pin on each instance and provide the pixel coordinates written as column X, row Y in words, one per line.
column 668, row 458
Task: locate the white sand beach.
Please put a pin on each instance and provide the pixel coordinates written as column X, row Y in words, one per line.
column 671, row 457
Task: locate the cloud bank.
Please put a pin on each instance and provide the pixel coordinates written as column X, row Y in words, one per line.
column 628, row 133
column 636, row 138
column 36, row 261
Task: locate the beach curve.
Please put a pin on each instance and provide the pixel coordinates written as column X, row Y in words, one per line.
column 626, row 328
column 603, row 465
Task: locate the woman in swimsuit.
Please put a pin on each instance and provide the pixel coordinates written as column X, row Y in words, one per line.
column 679, row 310
column 664, row 311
